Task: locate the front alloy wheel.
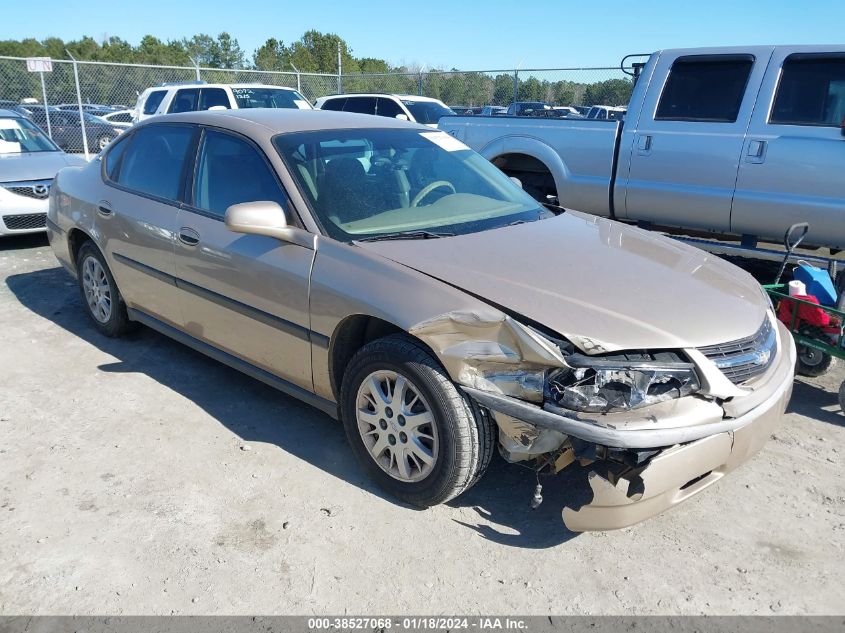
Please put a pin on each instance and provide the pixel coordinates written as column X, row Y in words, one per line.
column 397, row 426
column 416, row 434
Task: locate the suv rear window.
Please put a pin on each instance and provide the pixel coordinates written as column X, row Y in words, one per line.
column 811, row 91
column 153, row 101
column 705, row 88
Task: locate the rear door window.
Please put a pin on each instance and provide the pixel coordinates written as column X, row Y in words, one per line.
column 707, row 88
column 184, row 100
column 361, row 105
column 153, row 101
column 154, row 162
column 388, row 107
column 231, row 171
column 211, row 97
column 811, row 91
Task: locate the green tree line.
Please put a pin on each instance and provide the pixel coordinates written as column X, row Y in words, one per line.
column 314, row 52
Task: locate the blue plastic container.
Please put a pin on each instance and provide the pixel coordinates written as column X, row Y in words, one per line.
column 818, row 282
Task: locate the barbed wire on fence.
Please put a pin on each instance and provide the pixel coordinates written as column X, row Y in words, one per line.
column 120, row 84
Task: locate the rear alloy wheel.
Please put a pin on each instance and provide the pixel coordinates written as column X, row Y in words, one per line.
column 812, row 362
column 102, row 299
column 409, row 426
column 103, row 141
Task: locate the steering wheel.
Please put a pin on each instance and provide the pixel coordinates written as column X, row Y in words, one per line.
column 429, row 188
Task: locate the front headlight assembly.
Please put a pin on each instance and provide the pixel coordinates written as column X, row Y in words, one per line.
column 620, row 382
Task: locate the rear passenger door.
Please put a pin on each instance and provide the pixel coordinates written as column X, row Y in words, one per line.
column 244, row 294
column 185, row 100
column 793, row 163
column 137, row 214
column 686, row 149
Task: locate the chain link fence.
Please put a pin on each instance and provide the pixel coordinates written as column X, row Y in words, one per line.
column 80, row 93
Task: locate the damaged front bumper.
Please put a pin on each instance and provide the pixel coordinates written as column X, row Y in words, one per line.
column 698, row 445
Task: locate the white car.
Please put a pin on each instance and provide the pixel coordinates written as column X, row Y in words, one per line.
column 119, row 118
column 198, row 95
column 603, row 113
column 413, row 108
column 29, row 161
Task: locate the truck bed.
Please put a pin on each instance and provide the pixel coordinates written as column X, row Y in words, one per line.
column 581, row 182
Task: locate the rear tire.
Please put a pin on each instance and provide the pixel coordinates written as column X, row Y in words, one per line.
column 811, row 362
column 100, row 294
column 446, row 457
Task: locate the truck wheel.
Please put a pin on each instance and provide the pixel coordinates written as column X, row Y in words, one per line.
column 100, row 295
column 409, row 426
column 812, row 362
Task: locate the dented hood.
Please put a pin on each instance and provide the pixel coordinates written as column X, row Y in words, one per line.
column 604, row 285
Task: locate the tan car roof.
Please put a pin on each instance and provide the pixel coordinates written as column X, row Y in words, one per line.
column 267, row 122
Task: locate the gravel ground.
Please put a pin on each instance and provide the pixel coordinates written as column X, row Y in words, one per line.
column 139, row 477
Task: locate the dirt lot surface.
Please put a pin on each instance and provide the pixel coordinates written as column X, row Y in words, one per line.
column 137, row 476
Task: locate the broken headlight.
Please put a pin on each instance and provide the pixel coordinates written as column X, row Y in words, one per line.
column 621, row 382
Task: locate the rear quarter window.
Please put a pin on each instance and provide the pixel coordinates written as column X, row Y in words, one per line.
column 333, row 104
column 153, row 101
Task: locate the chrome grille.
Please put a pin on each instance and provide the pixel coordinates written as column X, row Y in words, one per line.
column 25, row 221
column 38, row 189
column 745, row 358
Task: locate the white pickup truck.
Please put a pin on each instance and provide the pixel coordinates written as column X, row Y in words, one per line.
column 744, row 141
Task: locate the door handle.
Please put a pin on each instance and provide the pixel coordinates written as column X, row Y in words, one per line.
column 756, row 152
column 644, row 144
column 188, row 236
column 104, row 209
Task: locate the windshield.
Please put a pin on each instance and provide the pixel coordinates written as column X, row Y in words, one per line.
column 18, row 135
column 269, row 98
column 427, row 111
column 363, row 183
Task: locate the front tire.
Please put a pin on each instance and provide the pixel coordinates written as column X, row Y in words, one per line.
column 409, row 426
column 102, row 299
column 103, row 142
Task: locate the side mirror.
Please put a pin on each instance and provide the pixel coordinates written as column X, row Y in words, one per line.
column 516, row 181
column 402, row 117
column 265, row 218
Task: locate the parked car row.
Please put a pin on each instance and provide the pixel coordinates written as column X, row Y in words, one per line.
column 29, row 160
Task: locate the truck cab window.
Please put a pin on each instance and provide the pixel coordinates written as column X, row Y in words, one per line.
column 705, row 88
column 811, row 91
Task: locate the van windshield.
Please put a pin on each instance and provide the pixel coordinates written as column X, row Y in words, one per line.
column 18, row 136
column 371, row 182
column 249, row 97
